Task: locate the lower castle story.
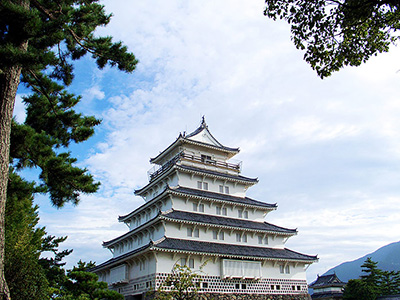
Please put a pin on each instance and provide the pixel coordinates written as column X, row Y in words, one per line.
column 238, row 277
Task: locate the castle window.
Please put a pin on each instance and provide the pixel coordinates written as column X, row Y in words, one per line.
column 218, row 210
column 201, row 185
column 244, row 238
column 224, row 211
column 207, row 159
column 191, row 263
column 246, row 214
column 195, row 206
column 221, row 235
column 287, row 269
column 223, row 189
column 201, row 207
column 262, row 240
column 192, row 232
column 183, row 262
column 238, row 237
column 240, row 213
column 282, row 269
column 215, row 234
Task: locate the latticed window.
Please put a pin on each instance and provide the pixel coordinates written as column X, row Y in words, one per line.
column 241, row 268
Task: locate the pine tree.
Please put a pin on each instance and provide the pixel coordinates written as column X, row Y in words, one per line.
column 39, row 40
column 25, row 276
column 372, row 275
column 84, row 285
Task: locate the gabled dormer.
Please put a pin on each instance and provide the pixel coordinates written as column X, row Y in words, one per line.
column 201, row 139
column 197, row 149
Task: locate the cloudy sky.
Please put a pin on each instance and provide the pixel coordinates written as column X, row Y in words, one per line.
column 327, row 151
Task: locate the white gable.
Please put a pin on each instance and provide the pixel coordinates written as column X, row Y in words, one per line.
column 204, row 136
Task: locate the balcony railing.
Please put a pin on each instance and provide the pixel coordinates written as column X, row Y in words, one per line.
column 204, row 159
column 207, row 160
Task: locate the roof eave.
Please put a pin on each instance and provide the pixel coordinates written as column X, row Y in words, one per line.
column 154, row 247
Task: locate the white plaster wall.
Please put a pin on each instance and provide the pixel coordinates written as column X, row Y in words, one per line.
column 212, row 267
column 138, row 240
column 168, row 156
column 175, row 230
column 272, row 270
column 142, row 266
column 158, row 186
column 186, row 180
column 210, row 208
column 150, row 212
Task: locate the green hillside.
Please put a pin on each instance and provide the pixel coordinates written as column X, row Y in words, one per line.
column 388, row 258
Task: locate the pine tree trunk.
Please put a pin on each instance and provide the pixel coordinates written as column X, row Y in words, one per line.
column 9, row 81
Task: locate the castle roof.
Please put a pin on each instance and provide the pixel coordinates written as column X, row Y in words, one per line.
column 207, row 220
column 184, row 191
column 329, row 280
column 213, row 249
column 203, row 195
column 201, row 137
column 230, row 250
column 202, row 172
column 230, row 223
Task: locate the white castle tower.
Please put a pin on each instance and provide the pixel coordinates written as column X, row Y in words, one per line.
column 196, row 211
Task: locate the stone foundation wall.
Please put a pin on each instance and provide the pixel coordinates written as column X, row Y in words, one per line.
column 218, row 296
column 211, row 296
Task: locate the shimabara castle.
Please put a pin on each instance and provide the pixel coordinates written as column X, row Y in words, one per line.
column 196, row 213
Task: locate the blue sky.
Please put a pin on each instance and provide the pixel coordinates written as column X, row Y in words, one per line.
column 327, row 151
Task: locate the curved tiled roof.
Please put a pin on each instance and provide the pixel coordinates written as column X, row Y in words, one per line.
column 229, row 250
column 121, row 258
column 213, row 249
column 226, row 222
column 218, row 174
column 183, row 191
column 223, row 197
column 185, row 138
column 224, row 176
column 327, row 280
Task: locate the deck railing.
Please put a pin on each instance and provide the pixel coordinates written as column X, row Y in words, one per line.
column 157, row 170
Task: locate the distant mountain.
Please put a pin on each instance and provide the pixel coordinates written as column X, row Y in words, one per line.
column 388, row 258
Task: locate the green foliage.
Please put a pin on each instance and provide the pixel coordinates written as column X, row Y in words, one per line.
column 181, row 284
column 335, row 34
column 31, row 276
column 357, row 289
column 84, row 285
column 26, row 277
column 373, row 283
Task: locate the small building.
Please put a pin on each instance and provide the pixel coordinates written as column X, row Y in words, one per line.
column 196, row 213
column 327, row 287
